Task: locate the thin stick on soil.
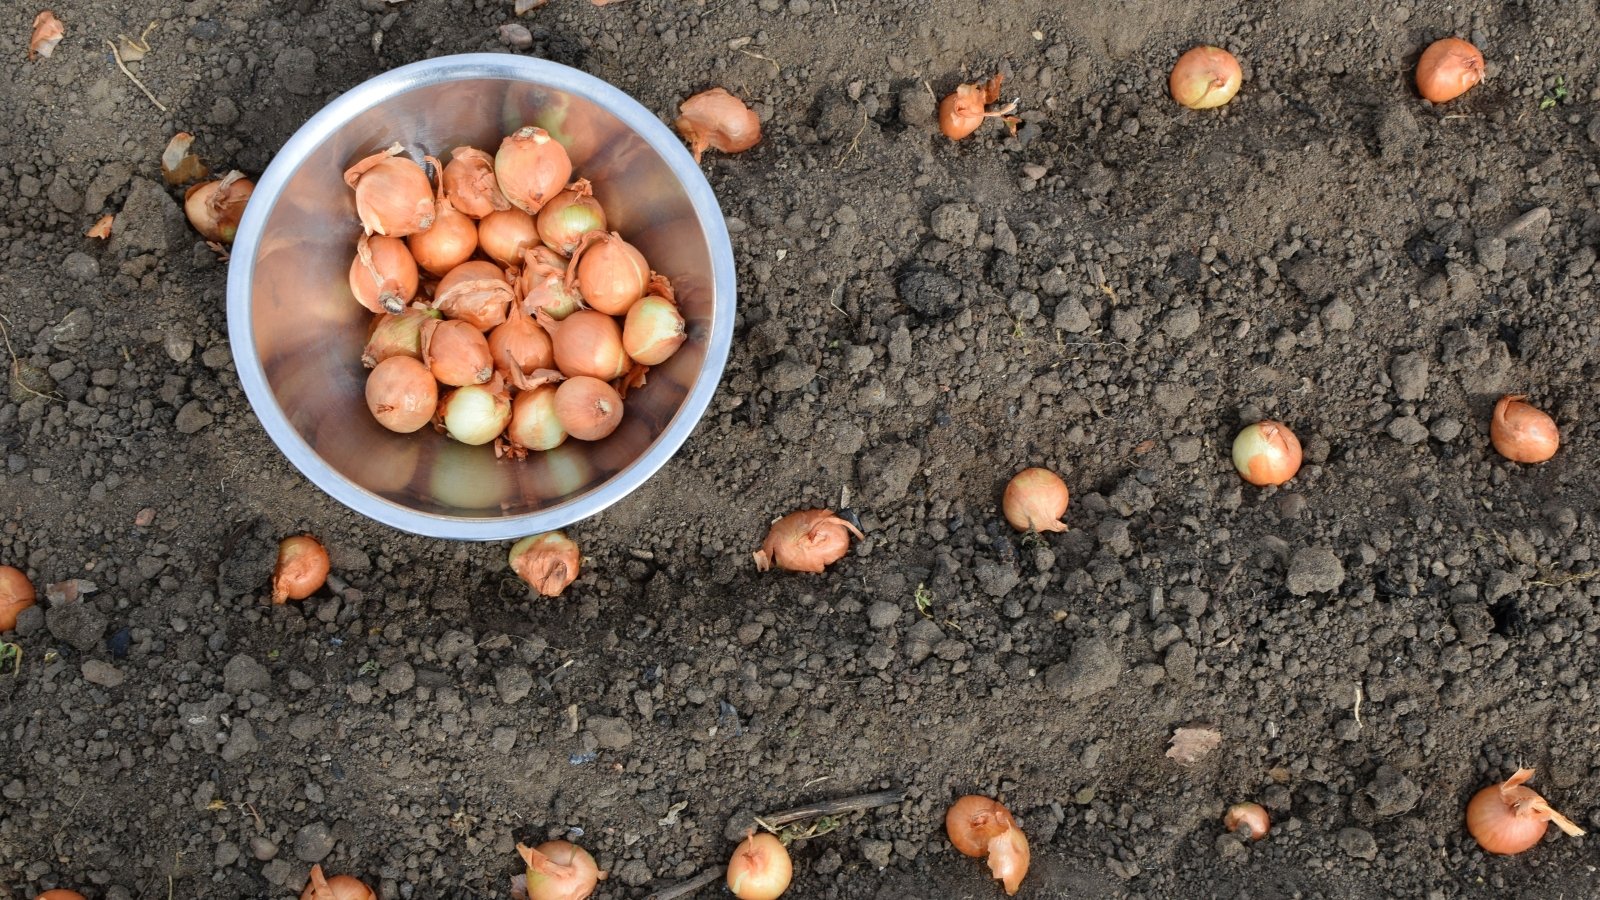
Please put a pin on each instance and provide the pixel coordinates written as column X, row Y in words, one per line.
column 690, row 886
column 834, row 807
column 117, row 55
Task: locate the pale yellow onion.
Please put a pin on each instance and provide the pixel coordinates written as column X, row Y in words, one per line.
column 476, row 413
column 393, row 196
column 653, row 331
column 760, row 868
column 569, row 216
column 534, row 423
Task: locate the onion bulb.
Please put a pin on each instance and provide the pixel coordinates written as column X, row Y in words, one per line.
column 449, row 243
column 339, row 887
column 1205, row 78
column 965, row 108
column 534, row 423
column 393, row 196
column 397, row 335
column 1035, row 500
column 542, row 284
column 569, row 216
column 588, row 408
column 558, row 870
column 532, row 167
column 475, row 292
column 519, row 347
column 1522, row 433
column 457, row 352
column 587, row 342
column 1267, row 453
column 469, row 182
column 60, row 893
column 1509, row 818
column 981, row 827
column 402, row 394
column 1248, row 819
column 717, row 119
column 383, row 276
column 760, row 868
column 16, row 595
column 653, row 331
column 1448, row 69
column 475, row 414
column 505, row 233
column 215, row 207
column 608, row 272
column 547, row 562
column 806, row 541
column 302, row 568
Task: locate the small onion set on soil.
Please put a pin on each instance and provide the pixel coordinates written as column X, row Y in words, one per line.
column 507, row 285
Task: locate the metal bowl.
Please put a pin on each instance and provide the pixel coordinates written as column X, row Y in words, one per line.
column 297, row 333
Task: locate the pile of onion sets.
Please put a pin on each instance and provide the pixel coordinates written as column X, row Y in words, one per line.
column 504, row 309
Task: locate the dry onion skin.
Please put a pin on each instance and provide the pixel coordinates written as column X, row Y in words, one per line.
column 475, row 292
column 1267, row 453
column 301, row 570
column 806, row 541
column 547, row 562
column 1205, row 78
column 16, row 595
column 588, row 408
column 1035, row 500
column 393, row 196
column 1521, row 432
column 760, row 868
column 469, row 184
column 505, row 234
column 558, row 870
column 1447, row 69
column 402, row 394
column 542, row 284
column 1508, row 818
column 532, row 167
column 215, row 207
column 719, row 120
column 1248, row 819
column 383, row 276
column 569, row 216
column 47, row 33
column 980, row 827
column 339, row 887
column 965, row 108
column 178, row 165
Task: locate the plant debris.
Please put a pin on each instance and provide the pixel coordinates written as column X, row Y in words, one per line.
column 47, row 33
column 1190, row 745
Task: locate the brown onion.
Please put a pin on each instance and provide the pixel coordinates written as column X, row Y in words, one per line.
column 547, row 562
column 965, row 108
column 760, row 868
column 1508, row 818
column 470, row 184
column 393, row 196
column 475, row 414
column 1522, row 433
column 1035, row 500
column 1248, row 819
column 542, row 284
column 456, row 352
column 1267, row 453
column 558, row 870
column 397, row 335
column 449, row 243
column 383, row 276
column 653, row 331
column 16, row 595
column 215, row 207
column 1205, row 78
column 532, row 167
column 588, row 408
column 1448, row 69
column 717, row 119
column 534, row 423
column 505, row 234
column 586, row 343
column 806, row 541
column 339, row 887
column 519, row 347
column 608, row 272
column 475, row 292
column 569, row 216
column 981, row 827
column 402, row 394
column 302, row 568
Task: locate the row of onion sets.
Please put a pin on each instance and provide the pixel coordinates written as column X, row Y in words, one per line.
column 504, row 310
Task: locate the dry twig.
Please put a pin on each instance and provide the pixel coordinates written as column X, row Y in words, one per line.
column 131, row 77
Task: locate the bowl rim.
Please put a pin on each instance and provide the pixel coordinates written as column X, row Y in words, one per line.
column 439, row 70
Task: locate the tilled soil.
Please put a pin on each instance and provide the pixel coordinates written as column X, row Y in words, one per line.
column 1112, row 293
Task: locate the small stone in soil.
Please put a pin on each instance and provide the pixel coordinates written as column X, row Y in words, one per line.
column 1314, row 570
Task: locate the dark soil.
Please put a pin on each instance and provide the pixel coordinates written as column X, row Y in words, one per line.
column 1112, row 294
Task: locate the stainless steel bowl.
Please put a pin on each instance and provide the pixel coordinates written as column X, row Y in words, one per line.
column 297, row 333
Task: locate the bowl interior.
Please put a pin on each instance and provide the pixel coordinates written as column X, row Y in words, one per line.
column 308, row 330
